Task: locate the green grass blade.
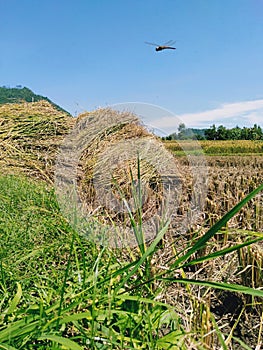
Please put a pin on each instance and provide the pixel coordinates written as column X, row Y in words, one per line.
column 219, row 334
column 66, row 277
column 69, row 344
column 174, row 340
column 219, row 285
column 221, row 252
column 245, row 346
column 18, row 328
column 144, row 300
column 7, row 347
column 15, row 300
column 148, row 252
column 75, row 317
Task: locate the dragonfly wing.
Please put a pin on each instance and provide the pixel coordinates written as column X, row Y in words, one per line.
column 170, row 43
column 146, row 42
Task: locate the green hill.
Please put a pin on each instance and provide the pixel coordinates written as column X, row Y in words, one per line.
column 23, row 94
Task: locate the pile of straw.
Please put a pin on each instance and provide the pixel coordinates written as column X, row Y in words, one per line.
column 30, row 134
column 111, row 167
column 100, row 150
column 108, row 166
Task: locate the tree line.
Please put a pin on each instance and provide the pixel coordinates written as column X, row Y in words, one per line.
column 218, row 133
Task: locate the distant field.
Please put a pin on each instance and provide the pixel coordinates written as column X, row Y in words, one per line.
column 228, row 147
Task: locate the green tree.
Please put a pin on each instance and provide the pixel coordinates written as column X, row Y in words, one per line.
column 255, row 133
column 210, row 134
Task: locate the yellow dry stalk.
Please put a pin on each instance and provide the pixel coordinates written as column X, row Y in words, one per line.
column 251, row 265
column 201, row 321
column 251, row 262
column 30, row 134
column 122, row 174
column 19, row 121
column 230, row 179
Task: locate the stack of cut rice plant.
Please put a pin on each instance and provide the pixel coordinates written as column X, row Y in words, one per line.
column 30, row 134
column 109, row 176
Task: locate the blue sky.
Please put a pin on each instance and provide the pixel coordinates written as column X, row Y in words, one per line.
column 85, row 54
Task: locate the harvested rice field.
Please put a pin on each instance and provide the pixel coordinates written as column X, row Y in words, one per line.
column 194, row 283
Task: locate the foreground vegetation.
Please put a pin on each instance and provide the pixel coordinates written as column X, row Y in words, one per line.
column 60, row 291
column 198, row 288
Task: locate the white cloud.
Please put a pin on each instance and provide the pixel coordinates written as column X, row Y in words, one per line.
column 229, row 114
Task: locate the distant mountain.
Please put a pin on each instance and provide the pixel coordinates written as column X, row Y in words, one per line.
column 23, row 94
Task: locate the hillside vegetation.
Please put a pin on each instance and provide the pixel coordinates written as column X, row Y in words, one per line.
column 21, row 94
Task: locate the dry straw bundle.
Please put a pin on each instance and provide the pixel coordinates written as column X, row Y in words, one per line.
column 30, row 134
column 108, row 169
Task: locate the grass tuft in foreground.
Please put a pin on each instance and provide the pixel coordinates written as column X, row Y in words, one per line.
column 60, row 291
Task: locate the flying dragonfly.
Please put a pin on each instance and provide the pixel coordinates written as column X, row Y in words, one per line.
column 166, row 46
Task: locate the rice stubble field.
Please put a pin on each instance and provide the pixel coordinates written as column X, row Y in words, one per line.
column 201, row 289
